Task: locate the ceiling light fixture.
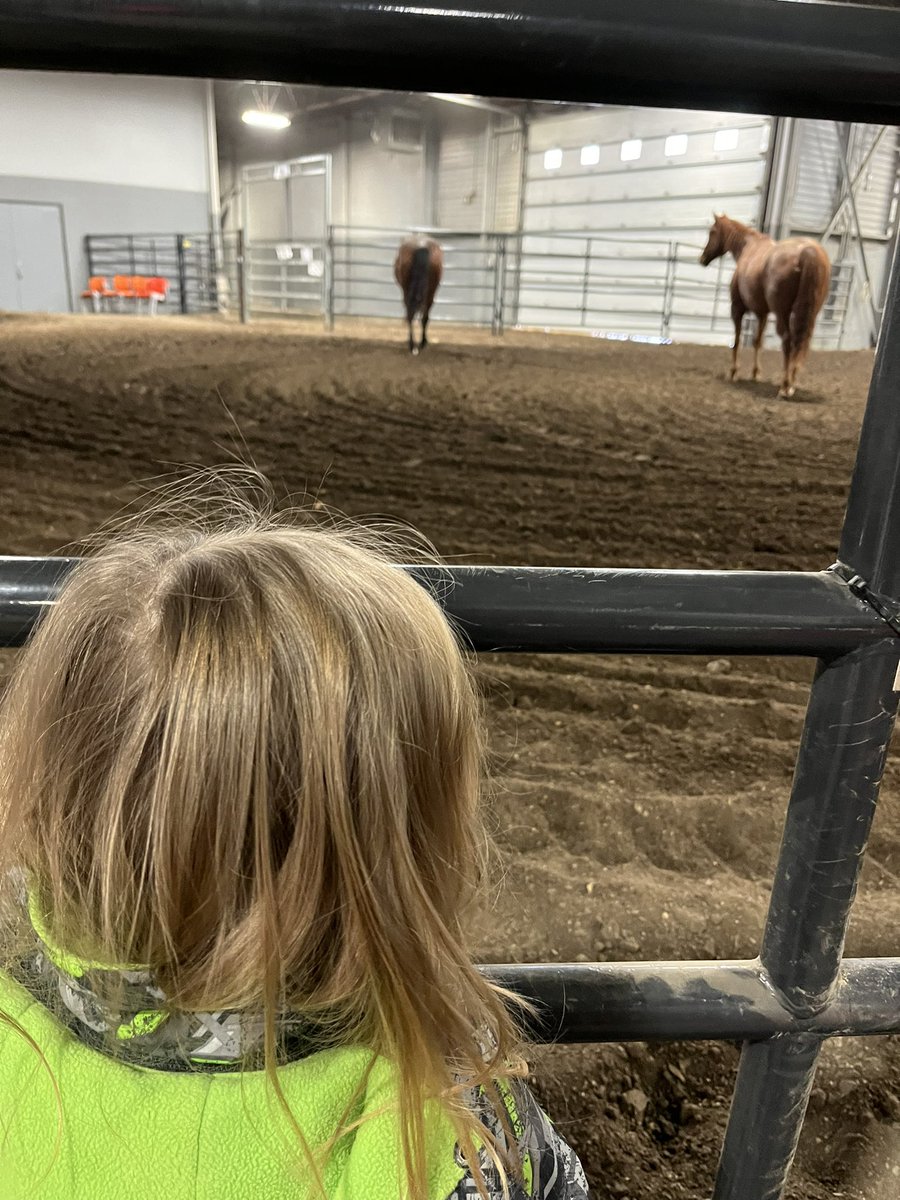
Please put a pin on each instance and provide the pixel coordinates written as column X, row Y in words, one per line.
column 264, row 119
column 263, row 113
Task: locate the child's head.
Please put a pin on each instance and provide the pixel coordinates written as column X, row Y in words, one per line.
column 249, row 757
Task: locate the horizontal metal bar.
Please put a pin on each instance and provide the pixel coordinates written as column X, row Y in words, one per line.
column 574, row 201
column 760, row 56
column 602, row 610
column 695, row 1001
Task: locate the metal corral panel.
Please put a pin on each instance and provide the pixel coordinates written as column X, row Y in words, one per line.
column 364, row 284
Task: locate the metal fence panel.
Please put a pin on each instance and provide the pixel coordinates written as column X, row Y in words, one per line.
column 608, row 284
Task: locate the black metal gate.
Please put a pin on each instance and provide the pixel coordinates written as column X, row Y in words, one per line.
column 189, row 262
column 815, row 59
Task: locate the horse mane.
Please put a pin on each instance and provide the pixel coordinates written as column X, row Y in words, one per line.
column 735, row 233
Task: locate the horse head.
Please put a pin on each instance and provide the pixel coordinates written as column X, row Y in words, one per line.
column 716, row 244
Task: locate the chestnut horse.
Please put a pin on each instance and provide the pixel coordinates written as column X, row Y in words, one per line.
column 789, row 279
column 418, row 268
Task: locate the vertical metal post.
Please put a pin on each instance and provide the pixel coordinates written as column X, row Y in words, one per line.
column 851, row 713
column 182, row 273
column 517, row 277
column 520, row 208
column 329, row 278
column 668, row 289
column 131, row 257
column 241, row 277
column 213, row 259
column 499, row 285
column 586, row 280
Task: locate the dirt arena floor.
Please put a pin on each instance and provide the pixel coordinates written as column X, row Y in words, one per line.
column 638, row 801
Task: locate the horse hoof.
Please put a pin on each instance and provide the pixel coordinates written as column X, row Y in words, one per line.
column 785, row 393
column 415, row 351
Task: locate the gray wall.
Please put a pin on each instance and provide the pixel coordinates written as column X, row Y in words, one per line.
column 117, row 154
column 107, row 208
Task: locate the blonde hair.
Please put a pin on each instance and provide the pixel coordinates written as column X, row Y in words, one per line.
column 248, row 755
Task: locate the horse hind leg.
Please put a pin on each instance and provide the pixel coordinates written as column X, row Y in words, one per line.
column 799, row 352
column 787, row 389
column 758, row 341
column 737, row 315
column 424, row 342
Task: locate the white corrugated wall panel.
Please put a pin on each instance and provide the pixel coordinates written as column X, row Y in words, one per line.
column 642, row 215
column 462, row 173
column 817, row 176
column 656, row 194
column 508, row 148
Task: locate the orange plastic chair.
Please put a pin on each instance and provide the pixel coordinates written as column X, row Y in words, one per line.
column 157, row 291
column 96, row 291
column 123, row 286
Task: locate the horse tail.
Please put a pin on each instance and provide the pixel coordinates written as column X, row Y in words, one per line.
column 417, row 285
column 811, row 292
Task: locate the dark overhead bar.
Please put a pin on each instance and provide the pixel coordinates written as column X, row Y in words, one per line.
column 840, row 61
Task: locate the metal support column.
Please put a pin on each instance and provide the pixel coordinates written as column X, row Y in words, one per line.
column 780, row 167
column 851, row 712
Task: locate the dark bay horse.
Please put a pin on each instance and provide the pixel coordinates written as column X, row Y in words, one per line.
column 418, row 268
column 789, row 279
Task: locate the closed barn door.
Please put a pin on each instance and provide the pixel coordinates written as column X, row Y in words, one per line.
column 32, row 259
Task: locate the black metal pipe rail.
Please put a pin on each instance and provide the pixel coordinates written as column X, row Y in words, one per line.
column 584, row 610
column 818, row 59
column 696, row 1001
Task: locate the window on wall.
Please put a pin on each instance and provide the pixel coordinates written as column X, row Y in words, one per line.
column 590, row 156
column 631, row 150
column 725, row 139
column 552, row 160
column 676, row 145
column 406, row 132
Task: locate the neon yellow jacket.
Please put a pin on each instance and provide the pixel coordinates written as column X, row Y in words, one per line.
column 130, row 1133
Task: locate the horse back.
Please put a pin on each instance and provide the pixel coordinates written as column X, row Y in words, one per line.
column 792, row 263
column 406, row 256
